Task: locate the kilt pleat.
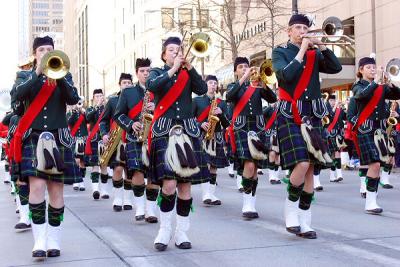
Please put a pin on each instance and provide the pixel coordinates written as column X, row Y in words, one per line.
column 29, row 162
column 134, row 157
column 368, row 149
column 93, row 160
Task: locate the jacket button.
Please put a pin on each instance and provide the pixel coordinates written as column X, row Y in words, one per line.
column 177, row 117
column 178, row 109
column 45, row 108
column 44, row 117
column 177, row 102
column 45, row 126
column 161, row 107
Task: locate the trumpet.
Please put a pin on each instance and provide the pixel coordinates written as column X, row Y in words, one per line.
column 55, row 64
column 332, row 29
column 263, row 73
column 392, row 72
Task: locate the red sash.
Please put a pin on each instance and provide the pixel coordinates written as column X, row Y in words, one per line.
column 271, row 120
column 348, row 132
column 27, row 119
column 132, row 114
column 88, row 146
column 301, row 86
column 366, row 112
column 335, row 119
column 77, row 125
column 166, row 102
column 238, row 108
column 206, row 111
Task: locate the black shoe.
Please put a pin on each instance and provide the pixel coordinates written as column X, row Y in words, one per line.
column 339, row 179
column 260, row 172
column 319, row 188
column 39, row 255
column 76, row 188
column 127, row 207
column 117, row 208
column 151, row 219
column 293, row 229
column 375, row 211
column 82, row 189
column 231, row 175
column 250, row 215
column 241, row 190
column 7, row 182
column 105, row 196
column 275, row 181
column 207, row 201
column 308, row 235
column 139, row 218
column 17, row 211
column 334, row 181
column 160, row 246
column 216, row 202
column 363, row 195
column 96, row 195
column 184, row 245
column 387, row 186
column 21, row 227
column 53, row 253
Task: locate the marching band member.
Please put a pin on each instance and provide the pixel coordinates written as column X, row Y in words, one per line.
column 247, row 133
column 122, row 187
column 214, row 145
column 370, row 127
column 297, row 68
column 77, row 123
column 129, row 113
column 272, row 141
column 175, row 130
column 42, row 137
column 94, row 115
column 335, row 132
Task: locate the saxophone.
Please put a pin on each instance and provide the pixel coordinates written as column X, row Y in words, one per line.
column 212, row 120
column 115, row 137
column 391, row 121
column 145, row 118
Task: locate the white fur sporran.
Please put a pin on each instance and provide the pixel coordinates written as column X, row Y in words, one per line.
column 179, row 155
column 80, row 146
column 100, row 148
column 145, row 154
column 48, row 156
column 120, row 155
column 210, row 146
column 257, row 149
column 381, row 145
column 274, row 143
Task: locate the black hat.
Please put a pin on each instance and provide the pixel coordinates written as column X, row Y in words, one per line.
column 300, row 19
column 142, row 62
column 211, row 77
column 240, row 60
column 365, row 61
column 332, row 97
column 39, row 41
column 172, row 40
column 125, row 76
column 97, row 91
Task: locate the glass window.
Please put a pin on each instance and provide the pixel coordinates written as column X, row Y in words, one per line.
column 204, row 17
column 167, row 15
column 185, row 16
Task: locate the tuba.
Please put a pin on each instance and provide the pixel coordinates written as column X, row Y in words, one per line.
column 212, row 120
column 55, row 64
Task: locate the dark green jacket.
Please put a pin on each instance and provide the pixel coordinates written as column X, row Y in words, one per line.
column 53, row 114
column 129, row 98
column 92, row 115
column 200, row 103
column 352, row 111
column 160, row 83
column 267, row 112
column 73, row 117
column 363, row 91
column 288, row 72
column 107, row 118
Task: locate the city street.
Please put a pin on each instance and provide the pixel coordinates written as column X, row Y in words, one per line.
column 94, row 235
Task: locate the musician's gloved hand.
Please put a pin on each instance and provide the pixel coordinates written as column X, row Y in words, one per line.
column 106, row 138
column 205, row 126
column 137, row 126
column 217, row 111
column 150, row 106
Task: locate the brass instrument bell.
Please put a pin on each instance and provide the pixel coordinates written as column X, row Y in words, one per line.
column 55, row 64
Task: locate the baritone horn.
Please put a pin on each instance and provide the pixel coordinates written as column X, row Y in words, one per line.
column 332, row 30
column 55, row 64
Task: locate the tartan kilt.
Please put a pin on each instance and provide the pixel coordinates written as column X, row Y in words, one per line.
column 369, row 152
column 292, row 147
column 220, row 160
column 3, row 153
column 93, row 160
column 29, row 161
column 14, row 171
column 268, row 135
column 160, row 170
column 134, row 158
column 242, row 146
column 113, row 162
column 332, row 146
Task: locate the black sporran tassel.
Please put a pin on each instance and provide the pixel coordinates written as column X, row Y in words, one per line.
column 190, row 156
column 59, row 162
column 48, row 160
column 181, row 156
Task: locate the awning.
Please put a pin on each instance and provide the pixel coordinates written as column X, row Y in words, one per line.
column 225, row 74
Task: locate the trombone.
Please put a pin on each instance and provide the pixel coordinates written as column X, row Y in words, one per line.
column 55, row 64
column 200, row 44
column 332, row 29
